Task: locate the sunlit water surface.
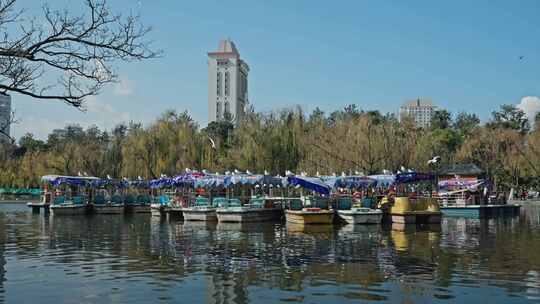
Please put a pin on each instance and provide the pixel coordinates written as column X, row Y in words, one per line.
column 143, row 259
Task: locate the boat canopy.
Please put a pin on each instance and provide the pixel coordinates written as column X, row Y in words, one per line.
column 349, row 181
column 311, row 183
column 225, row 181
column 187, row 179
column 384, row 180
column 253, row 179
column 414, row 177
column 57, row 180
column 211, row 181
column 162, row 182
column 102, row 182
column 139, row 183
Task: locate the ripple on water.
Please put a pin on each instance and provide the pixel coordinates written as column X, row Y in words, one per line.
column 143, row 259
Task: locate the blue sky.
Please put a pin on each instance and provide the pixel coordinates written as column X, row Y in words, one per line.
column 377, row 54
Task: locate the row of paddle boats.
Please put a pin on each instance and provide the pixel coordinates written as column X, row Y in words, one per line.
column 77, row 195
column 304, row 200
column 242, row 198
column 295, row 210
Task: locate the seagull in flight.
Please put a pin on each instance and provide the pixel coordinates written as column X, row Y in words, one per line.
column 434, row 160
column 212, row 142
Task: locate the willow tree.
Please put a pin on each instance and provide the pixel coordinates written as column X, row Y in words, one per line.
column 496, row 151
column 176, row 142
column 139, row 153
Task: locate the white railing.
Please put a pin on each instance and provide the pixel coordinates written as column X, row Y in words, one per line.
column 468, row 199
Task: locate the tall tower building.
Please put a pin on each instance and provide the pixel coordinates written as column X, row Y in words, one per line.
column 421, row 110
column 227, row 83
column 5, row 115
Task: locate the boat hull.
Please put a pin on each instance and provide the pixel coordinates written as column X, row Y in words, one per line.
column 108, row 209
column 59, row 210
column 137, row 209
column 158, row 210
column 416, row 217
column 241, row 215
column 200, row 214
column 360, row 217
column 309, row 217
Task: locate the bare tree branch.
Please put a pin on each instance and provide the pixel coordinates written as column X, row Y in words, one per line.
column 79, row 52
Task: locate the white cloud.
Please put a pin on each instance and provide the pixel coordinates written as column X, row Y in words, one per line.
column 40, row 127
column 530, row 105
column 98, row 113
column 103, row 114
column 124, row 87
column 94, row 105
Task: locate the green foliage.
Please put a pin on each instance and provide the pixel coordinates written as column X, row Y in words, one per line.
column 465, row 123
column 441, row 119
column 344, row 141
column 510, row 117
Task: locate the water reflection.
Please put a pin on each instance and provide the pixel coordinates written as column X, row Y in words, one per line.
column 139, row 258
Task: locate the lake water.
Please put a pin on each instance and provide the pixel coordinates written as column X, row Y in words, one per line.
column 143, row 259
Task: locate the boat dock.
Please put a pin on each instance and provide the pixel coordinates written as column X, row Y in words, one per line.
column 481, row 211
column 37, row 206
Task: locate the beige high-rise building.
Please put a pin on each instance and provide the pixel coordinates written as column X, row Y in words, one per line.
column 227, row 83
column 421, row 110
column 5, row 115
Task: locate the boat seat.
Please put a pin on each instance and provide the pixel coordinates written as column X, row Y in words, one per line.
column 99, row 199
column 320, row 203
column 234, row 202
column 59, row 200
column 129, row 199
column 257, row 202
column 295, row 204
column 164, row 200
column 78, row 200
column 142, row 199
column 220, row 202
column 117, row 199
column 344, row 203
column 146, row 199
column 368, row 202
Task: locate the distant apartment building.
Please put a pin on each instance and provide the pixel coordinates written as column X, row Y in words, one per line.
column 5, row 115
column 227, row 83
column 421, row 110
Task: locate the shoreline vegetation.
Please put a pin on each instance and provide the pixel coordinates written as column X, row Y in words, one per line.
column 506, row 147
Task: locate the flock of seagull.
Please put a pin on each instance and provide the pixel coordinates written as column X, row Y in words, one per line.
column 432, row 161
